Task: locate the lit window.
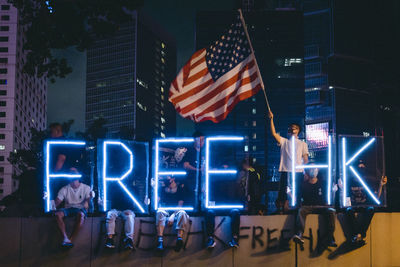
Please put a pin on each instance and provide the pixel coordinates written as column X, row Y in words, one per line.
column 254, row 123
column 162, row 120
column 254, row 148
column 253, row 99
column 162, row 135
column 246, row 148
column 254, row 111
column 162, row 89
column 2, row 147
column 163, row 60
column 254, row 136
column 162, row 45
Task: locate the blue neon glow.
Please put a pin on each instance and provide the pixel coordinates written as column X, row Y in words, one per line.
column 329, row 169
column 158, row 173
column 171, row 173
column 311, row 166
column 346, row 163
column 208, row 171
column 344, row 171
column 319, row 166
column 360, row 151
column 120, row 178
column 176, row 208
column 364, row 185
column 57, row 175
column 293, row 172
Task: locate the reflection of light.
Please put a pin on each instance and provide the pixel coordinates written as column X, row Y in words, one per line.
column 118, row 179
column 364, row 185
column 51, row 175
column 317, row 135
column 157, row 173
column 360, row 151
column 208, row 171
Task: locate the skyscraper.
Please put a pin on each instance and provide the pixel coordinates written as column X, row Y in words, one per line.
column 277, row 38
column 128, row 78
column 22, row 97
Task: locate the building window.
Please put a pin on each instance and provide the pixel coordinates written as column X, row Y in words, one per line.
column 162, row 135
column 3, row 38
column 3, row 49
column 2, row 136
column 5, row 17
column 4, row 28
column 2, row 147
column 254, row 148
column 5, row 7
column 1, row 158
column 3, row 103
column 3, row 114
column 2, row 125
column 3, row 92
column 254, row 111
column 1, row 180
column 246, row 148
column 3, row 59
column 3, row 82
column 254, row 123
column 254, row 136
column 3, row 71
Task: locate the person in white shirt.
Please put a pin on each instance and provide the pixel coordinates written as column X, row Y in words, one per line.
column 285, row 166
column 75, row 196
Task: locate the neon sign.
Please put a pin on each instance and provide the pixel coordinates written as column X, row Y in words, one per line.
column 209, row 171
column 49, row 174
column 346, row 164
column 167, row 172
column 118, row 179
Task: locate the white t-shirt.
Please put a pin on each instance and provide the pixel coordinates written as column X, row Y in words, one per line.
column 74, row 198
column 301, row 149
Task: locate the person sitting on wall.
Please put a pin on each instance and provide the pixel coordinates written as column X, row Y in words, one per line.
column 129, row 226
column 75, row 196
column 174, row 192
column 359, row 202
column 285, row 166
column 313, row 198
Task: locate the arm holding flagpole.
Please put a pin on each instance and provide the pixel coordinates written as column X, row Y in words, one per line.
column 255, row 60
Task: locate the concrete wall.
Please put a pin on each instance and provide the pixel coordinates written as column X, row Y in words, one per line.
column 35, row 242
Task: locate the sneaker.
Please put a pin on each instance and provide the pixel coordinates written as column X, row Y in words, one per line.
column 179, row 244
column 211, row 243
column 110, row 243
column 128, row 243
column 67, row 244
column 298, row 239
column 234, row 243
column 160, row 246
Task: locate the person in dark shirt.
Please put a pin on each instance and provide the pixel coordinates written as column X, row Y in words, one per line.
column 360, row 201
column 313, row 199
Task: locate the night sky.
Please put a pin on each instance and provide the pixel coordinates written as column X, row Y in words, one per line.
column 66, row 97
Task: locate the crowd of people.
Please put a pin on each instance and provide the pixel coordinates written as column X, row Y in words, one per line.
column 74, row 198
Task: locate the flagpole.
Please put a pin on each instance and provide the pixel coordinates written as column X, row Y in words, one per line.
column 255, row 60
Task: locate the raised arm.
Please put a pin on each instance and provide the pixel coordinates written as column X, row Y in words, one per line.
column 273, row 131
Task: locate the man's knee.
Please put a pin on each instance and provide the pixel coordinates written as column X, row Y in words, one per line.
column 129, row 213
column 59, row 215
column 161, row 216
column 182, row 214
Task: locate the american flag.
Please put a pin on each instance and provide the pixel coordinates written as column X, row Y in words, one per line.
column 216, row 78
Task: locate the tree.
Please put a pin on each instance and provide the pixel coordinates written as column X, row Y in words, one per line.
column 59, row 24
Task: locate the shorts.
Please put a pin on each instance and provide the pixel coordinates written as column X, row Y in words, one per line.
column 70, row 212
